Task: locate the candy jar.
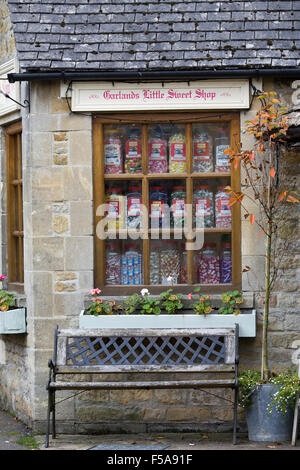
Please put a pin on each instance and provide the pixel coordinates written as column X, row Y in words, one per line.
column 134, row 208
column 112, row 152
column 183, row 265
column 177, row 153
column 222, row 159
column 158, row 210
column 131, row 266
column 203, row 207
column 178, row 201
column 170, row 263
column 112, row 265
column 155, row 264
column 157, row 151
column 116, row 209
column 223, row 211
column 133, row 152
column 202, row 152
column 209, row 265
column 226, row 263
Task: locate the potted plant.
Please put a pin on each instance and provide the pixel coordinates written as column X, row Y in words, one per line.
column 268, row 184
column 12, row 319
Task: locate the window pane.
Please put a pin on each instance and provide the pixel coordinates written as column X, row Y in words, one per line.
column 124, row 201
column 210, row 203
column 167, row 199
column 166, row 148
column 209, row 143
column 122, row 149
column 168, row 262
column 124, row 262
column 213, row 263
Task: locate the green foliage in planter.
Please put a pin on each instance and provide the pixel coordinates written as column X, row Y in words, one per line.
column 148, row 305
column 98, row 307
column 6, row 298
column 171, row 302
column 231, row 300
column 284, row 398
column 132, row 303
column 202, row 306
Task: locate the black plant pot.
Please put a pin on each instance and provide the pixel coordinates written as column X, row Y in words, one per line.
column 266, row 426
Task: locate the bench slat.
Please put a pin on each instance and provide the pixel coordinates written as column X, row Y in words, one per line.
column 115, row 368
column 73, row 333
column 137, row 385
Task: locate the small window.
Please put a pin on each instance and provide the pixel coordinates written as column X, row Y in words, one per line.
column 15, row 233
column 152, row 174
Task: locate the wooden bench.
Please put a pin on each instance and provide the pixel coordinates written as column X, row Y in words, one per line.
column 143, row 354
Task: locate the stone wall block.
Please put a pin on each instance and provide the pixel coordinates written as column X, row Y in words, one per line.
column 79, row 253
column 48, row 253
column 81, row 218
column 60, row 224
column 47, row 184
column 194, row 414
column 78, row 184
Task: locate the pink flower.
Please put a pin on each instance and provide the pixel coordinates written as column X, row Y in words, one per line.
column 190, row 296
column 2, row 277
column 95, row 291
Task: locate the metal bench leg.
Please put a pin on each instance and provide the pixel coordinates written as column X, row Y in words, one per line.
column 235, row 409
column 48, row 419
column 295, row 424
column 53, row 415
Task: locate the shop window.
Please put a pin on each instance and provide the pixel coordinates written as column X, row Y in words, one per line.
column 14, row 184
column 159, row 182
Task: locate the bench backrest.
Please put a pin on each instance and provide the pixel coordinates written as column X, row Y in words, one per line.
column 135, row 350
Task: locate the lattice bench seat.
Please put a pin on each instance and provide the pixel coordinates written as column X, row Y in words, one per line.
column 142, row 353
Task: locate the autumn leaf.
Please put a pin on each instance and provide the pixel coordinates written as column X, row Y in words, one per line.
column 282, row 196
column 232, row 201
column 292, row 199
column 252, row 219
column 246, row 269
column 273, row 172
column 260, row 233
column 251, row 156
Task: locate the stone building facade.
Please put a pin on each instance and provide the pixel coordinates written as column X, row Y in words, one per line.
column 57, row 155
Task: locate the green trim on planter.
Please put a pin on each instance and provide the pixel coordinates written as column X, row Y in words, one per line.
column 246, row 321
column 13, row 321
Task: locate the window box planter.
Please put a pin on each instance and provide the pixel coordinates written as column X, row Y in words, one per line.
column 246, row 321
column 13, row 321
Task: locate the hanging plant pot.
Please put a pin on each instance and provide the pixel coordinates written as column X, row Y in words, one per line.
column 274, row 426
column 13, row 321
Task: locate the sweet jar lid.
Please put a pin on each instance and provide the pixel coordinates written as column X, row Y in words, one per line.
column 114, row 190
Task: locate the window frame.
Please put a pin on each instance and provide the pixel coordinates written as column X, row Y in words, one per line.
column 99, row 179
column 14, row 207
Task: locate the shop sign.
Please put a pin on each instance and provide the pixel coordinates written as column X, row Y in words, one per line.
column 120, row 96
column 6, row 88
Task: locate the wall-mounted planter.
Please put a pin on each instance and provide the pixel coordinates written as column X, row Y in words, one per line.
column 246, row 321
column 13, row 321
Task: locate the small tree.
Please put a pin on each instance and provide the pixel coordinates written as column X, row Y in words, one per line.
column 266, row 182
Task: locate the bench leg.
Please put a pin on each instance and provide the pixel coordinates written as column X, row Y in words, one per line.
column 48, row 419
column 295, row 424
column 235, row 409
column 53, row 416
